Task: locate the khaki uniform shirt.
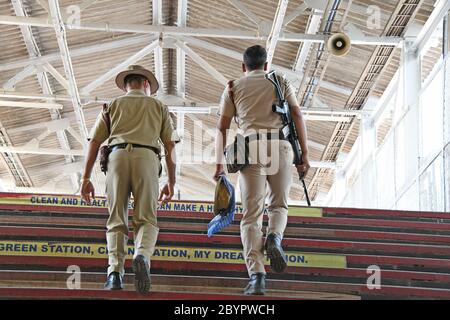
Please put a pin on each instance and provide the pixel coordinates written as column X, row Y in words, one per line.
column 253, row 99
column 136, row 118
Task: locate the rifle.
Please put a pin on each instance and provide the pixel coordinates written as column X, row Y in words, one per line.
column 289, row 130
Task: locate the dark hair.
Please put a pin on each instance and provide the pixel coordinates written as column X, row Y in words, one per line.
column 134, row 77
column 255, row 57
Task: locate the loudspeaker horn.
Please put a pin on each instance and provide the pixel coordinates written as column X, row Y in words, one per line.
column 339, row 44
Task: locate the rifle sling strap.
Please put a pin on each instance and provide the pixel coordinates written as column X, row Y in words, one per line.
column 106, row 117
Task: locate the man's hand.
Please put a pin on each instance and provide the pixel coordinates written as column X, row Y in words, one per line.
column 166, row 193
column 219, row 172
column 87, row 189
column 223, row 125
column 304, row 167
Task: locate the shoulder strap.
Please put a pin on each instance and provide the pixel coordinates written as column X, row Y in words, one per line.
column 230, row 91
column 106, row 117
column 231, row 95
column 281, row 83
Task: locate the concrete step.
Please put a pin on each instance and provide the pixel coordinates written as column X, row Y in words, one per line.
column 191, row 285
column 236, row 268
column 291, row 232
column 164, row 283
column 295, row 216
column 329, row 251
column 127, row 294
column 386, row 214
column 71, row 219
column 234, row 242
column 183, row 206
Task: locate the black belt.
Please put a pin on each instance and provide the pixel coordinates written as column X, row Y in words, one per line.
column 268, row 136
column 124, row 145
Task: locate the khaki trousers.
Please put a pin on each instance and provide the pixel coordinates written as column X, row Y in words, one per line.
column 277, row 173
column 131, row 170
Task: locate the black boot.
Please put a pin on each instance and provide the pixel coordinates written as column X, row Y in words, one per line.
column 275, row 253
column 256, row 285
column 114, row 281
column 141, row 270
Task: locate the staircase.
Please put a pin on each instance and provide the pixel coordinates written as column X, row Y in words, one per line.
column 329, row 252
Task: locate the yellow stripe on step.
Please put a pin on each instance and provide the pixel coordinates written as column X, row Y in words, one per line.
column 100, row 202
column 162, row 253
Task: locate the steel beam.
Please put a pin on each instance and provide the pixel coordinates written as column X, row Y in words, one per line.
column 33, row 51
column 336, row 88
column 316, row 145
column 78, row 52
column 195, row 32
column 292, row 74
column 167, row 99
column 303, row 52
column 44, row 4
column 25, row 73
column 323, row 164
column 180, row 130
column 202, row 63
column 35, row 105
column 181, row 80
column 36, row 96
column 157, row 12
column 159, row 69
column 58, row 77
column 295, row 13
column 401, row 18
column 112, row 72
column 86, row 4
column 181, row 73
column 13, row 162
column 186, row 107
column 246, row 11
column 158, row 51
column 181, row 56
column 65, row 168
column 277, row 25
column 51, row 126
column 60, row 31
column 43, row 151
column 61, row 36
column 38, row 190
column 51, row 151
column 441, row 10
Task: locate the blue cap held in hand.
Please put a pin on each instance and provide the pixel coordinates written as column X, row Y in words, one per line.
column 224, row 206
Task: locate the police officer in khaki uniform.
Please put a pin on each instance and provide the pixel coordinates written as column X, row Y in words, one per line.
column 250, row 100
column 137, row 123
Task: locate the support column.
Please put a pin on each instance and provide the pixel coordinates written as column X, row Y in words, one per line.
column 367, row 146
column 412, row 75
column 368, row 137
column 447, row 113
column 340, row 187
column 447, row 80
column 412, row 84
column 179, row 148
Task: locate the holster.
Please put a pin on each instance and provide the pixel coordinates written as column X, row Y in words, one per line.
column 104, row 155
column 105, row 150
column 237, row 154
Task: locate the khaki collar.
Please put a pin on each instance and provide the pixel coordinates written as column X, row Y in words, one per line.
column 136, row 92
column 256, row 72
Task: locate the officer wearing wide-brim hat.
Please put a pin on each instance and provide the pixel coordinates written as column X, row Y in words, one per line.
column 137, row 123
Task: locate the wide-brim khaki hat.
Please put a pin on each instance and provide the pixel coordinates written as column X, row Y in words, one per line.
column 135, row 69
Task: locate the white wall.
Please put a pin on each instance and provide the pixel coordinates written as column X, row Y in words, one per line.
column 410, row 170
